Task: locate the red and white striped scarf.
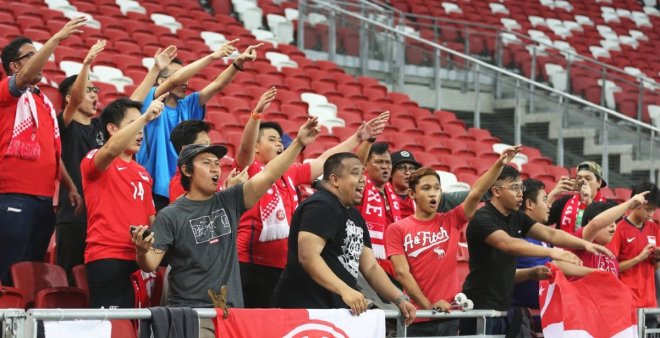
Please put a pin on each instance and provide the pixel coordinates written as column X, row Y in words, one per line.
column 374, row 212
column 570, row 212
column 24, row 143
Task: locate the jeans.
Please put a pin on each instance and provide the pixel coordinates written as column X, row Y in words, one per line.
column 493, row 326
column 435, row 328
column 26, row 226
column 258, row 283
column 110, row 283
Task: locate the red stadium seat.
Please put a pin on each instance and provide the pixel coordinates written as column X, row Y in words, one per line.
column 61, row 297
column 122, row 328
column 80, row 277
column 11, row 298
column 34, row 277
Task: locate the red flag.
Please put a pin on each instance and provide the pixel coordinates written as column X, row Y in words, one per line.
column 297, row 323
column 590, row 307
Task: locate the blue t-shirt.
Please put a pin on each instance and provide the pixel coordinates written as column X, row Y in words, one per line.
column 157, row 153
column 527, row 293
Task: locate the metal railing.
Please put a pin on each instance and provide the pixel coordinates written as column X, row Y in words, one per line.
column 642, row 330
column 384, row 46
column 20, row 323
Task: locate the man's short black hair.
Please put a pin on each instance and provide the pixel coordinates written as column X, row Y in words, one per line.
column 532, row 188
column 115, row 112
column 165, row 73
column 594, row 209
column 186, row 132
column 653, row 198
column 270, row 125
column 378, row 148
column 10, row 52
column 334, row 165
column 65, row 88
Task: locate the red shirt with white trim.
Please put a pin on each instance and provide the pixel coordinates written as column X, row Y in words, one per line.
column 21, row 176
column 116, row 198
column 270, row 253
column 627, row 243
column 430, row 247
column 595, row 261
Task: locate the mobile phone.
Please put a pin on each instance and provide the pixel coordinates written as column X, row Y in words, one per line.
column 577, row 185
column 145, row 234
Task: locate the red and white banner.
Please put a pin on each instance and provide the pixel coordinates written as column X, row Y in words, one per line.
column 295, row 323
column 598, row 305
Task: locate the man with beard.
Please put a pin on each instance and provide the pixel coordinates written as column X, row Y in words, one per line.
column 81, row 132
column 325, row 257
column 157, row 154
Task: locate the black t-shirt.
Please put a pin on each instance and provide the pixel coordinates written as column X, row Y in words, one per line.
column 346, row 234
column 77, row 140
column 492, row 272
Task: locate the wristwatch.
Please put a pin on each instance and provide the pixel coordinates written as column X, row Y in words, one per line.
column 400, row 299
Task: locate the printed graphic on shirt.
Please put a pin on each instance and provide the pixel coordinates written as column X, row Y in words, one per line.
column 352, row 248
column 606, row 264
column 208, row 228
column 424, row 240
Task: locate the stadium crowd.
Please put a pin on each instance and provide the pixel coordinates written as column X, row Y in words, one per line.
column 140, row 188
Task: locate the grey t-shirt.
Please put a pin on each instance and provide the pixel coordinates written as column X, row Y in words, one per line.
column 200, row 240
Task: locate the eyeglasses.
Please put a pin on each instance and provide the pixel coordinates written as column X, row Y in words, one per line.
column 26, row 56
column 93, row 89
column 406, row 167
column 515, row 188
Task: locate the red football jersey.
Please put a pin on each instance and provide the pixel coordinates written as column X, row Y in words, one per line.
column 271, row 253
column 116, row 198
column 598, row 261
column 628, row 242
column 430, row 248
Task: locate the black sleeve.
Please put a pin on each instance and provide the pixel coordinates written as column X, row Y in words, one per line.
column 556, row 209
column 321, row 219
column 481, row 226
column 526, row 223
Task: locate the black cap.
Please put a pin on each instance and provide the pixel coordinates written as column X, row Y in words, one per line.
column 190, row 151
column 404, row 156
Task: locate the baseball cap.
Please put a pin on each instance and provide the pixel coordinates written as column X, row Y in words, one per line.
column 404, row 156
column 190, row 151
column 594, row 168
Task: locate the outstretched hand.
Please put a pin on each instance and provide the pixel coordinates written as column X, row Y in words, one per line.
column 250, row 53
column 509, row 154
column 309, row 131
column 374, row 127
column 71, row 27
column 94, row 51
column 163, row 58
column 155, row 108
column 225, row 50
column 265, row 100
column 598, row 249
column 638, row 200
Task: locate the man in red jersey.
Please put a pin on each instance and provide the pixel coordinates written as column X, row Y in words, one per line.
column 423, row 247
column 30, row 151
column 263, row 230
column 636, row 248
column 118, row 195
column 403, row 165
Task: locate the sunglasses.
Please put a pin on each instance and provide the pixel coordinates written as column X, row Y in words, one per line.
column 26, row 56
column 93, row 89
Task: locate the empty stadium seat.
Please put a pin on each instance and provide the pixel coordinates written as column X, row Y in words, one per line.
column 11, row 298
column 34, row 277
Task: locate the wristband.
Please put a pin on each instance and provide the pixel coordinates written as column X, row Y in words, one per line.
column 237, row 67
column 400, row 299
column 256, row 116
column 371, row 140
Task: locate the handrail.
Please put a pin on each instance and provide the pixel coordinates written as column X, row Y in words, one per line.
column 649, row 81
column 485, row 64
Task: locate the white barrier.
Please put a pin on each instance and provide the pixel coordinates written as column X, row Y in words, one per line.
column 19, row 323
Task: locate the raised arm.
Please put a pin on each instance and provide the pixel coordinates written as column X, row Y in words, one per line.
column 118, row 143
column 245, row 153
column 481, row 186
column 255, row 187
column 367, row 130
column 610, row 215
column 184, row 74
column 162, row 59
column 29, row 75
column 565, row 240
column 564, row 185
column 213, row 88
column 78, row 90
